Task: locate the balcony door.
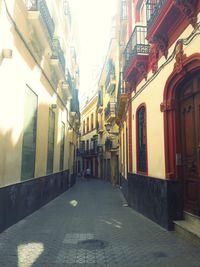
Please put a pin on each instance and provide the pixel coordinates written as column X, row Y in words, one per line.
column 190, row 143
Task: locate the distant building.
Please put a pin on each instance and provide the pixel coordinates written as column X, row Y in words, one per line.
column 87, row 152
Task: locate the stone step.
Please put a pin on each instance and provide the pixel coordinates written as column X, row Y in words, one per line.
column 189, row 228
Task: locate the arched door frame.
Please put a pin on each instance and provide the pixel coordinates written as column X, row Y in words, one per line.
column 169, row 107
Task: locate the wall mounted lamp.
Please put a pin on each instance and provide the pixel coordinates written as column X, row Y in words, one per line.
column 108, row 127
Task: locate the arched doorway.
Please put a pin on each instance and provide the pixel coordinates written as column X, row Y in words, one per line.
column 181, row 107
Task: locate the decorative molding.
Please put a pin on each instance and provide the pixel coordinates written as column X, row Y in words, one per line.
column 161, row 42
column 180, row 57
column 142, row 69
column 153, row 58
column 168, row 105
column 188, row 10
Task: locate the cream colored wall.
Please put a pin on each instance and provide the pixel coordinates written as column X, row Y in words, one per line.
column 86, row 112
column 152, row 96
column 16, row 74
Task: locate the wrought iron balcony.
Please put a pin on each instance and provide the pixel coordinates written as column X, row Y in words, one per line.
column 166, row 20
column 124, row 9
column 137, row 45
column 38, row 9
column 110, row 78
column 100, row 102
column 58, row 53
column 122, row 98
column 90, row 152
column 110, row 111
column 153, row 9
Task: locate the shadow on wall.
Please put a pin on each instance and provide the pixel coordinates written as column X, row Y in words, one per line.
column 18, row 200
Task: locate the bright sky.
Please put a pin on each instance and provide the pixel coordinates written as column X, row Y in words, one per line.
column 93, row 18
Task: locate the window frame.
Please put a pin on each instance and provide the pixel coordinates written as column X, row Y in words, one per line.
column 143, row 105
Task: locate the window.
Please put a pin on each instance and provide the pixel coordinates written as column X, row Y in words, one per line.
column 92, row 121
column 50, row 152
column 83, row 127
column 62, row 146
column 87, row 124
column 29, row 136
column 141, row 140
column 87, row 145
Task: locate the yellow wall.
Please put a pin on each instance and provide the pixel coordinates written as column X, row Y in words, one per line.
column 16, row 74
column 86, row 112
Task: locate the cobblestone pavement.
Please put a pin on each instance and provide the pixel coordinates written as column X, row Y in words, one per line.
column 89, row 225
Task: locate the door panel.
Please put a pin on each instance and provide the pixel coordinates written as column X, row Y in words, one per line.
column 190, row 142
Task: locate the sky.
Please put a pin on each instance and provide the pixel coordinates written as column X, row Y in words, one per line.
column 94, row 20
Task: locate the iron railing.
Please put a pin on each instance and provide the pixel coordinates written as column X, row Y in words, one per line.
column 110, row 109
column 58, row 53
column 90, row 152
column 153, row 9
column 110, row 72
column 121, row 87
column 137, row 45
column 100, row 99
column 41, row 6
column 124, row 9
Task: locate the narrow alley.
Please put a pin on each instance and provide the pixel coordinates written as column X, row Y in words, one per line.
column 91, row 225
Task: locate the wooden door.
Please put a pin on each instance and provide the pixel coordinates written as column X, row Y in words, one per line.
column 190, row 145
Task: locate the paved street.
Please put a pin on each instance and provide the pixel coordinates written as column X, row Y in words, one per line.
column 89, row 225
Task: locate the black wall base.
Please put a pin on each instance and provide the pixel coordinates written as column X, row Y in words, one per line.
column 159, row 200
column 19, row 200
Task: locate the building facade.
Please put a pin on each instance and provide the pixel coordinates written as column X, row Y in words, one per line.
column 107, row 128
column 161, row 73
column 89, row 140
column 39, row 116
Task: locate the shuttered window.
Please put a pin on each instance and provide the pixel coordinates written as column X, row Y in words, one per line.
column 29, row 135
column 62, row 146
column 50, row 151
column 141, row 140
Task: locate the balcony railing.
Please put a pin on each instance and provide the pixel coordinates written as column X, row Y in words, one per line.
column 137, row 45
column 122, row 98
column 153, row 9
column 58, row 53
column 124, row 9
column 110, row 111
column 100, row 101
column 110, row 73
column 121, row 87
column 90, row 152
column 41, row 6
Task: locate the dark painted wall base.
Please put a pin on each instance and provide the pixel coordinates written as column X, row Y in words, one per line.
column 20, row 200
column 124, row 187
column 159, row 200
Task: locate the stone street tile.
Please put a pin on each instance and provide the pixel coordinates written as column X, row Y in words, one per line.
column 52, row 236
